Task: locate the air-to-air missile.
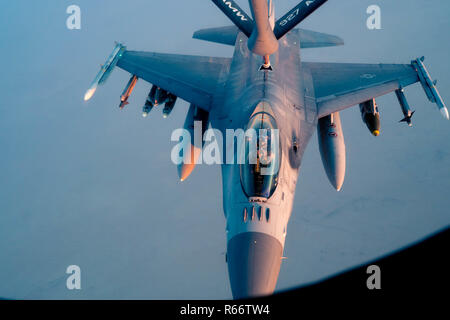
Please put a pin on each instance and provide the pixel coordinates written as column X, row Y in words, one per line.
column 407, row 113
column 195, row 117
column 370, row 116
column 127, row 91
column 105, row 70
column 429, row 86
column 332, row 148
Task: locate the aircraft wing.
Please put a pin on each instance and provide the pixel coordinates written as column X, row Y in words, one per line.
column 191, row 78
column 342, row 85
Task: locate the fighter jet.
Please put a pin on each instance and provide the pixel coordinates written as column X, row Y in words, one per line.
column 266, row 86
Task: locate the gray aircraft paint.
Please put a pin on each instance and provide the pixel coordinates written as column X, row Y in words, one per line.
column 296, row 116
column 332, row 148
column 297, row 94
column 87, row 183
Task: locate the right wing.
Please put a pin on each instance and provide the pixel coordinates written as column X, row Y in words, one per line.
column 191, row 78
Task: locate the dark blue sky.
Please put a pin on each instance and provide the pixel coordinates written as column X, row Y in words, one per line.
column 88, row 184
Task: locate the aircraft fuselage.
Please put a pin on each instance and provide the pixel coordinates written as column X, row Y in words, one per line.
column 256, row 227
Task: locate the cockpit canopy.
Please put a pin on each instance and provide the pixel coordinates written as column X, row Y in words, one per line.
column 261, row 157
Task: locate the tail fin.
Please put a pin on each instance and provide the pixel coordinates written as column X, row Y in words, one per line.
column 223, row 35
column 296, row 15
column 236, row 15
column 308, row 38
column 313, row 39
column 263, row 33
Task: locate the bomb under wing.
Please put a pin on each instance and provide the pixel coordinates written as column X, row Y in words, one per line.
column 371, row 116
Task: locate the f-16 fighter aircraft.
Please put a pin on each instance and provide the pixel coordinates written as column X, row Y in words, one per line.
column 265, row 86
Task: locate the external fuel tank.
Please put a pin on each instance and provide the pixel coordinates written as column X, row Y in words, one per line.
column 332, row 148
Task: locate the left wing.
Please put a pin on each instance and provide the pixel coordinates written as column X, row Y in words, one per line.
column 191, row 78
column 341, row 85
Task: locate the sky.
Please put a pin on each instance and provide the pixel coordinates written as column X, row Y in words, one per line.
column 90, row 185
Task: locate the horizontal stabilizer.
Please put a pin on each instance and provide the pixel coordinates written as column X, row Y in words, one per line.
column 308, row 38
column 312, row 39
column 223, row 35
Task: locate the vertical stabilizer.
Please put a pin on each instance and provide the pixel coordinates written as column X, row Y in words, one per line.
column 238, row 16
column 296, row 15
column 263, row 31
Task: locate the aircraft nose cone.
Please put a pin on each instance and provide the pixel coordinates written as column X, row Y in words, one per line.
column 254, row 261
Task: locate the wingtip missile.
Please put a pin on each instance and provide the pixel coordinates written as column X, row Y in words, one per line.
column 429, row 86
column 444, row 113
column 371, row 116
column 90, row 92
column 105, row 70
